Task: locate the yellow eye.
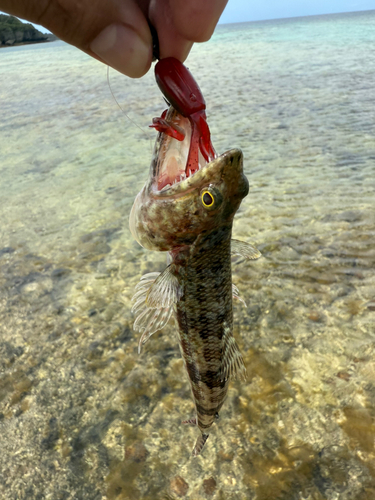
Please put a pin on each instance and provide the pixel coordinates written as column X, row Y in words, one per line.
column 207, row 199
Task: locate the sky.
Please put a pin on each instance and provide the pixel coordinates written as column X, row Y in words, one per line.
column 251, row 10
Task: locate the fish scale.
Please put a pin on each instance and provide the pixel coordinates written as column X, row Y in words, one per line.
column 202, row 315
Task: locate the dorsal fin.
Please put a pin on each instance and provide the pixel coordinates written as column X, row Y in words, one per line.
column 154, row 298
column 236, row 294
column 246, row 251
column 232, row 362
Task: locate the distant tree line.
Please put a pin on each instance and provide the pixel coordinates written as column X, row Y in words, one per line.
column 13, row 32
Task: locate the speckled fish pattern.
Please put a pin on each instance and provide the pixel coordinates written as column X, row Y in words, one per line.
column 196, row 288
column 204, row 316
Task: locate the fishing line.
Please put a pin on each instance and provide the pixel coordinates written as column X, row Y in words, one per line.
column 155, row 57
column 127, row 116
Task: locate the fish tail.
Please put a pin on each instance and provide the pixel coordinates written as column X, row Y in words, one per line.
column 199, row 444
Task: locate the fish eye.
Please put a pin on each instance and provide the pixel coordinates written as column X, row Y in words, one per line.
column 211, row 197
column 207, row 199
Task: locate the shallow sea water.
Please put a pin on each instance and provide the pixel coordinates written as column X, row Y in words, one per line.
column 82, row 415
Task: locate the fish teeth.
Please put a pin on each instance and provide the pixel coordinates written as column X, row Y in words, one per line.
column 166, row 187
column 190, row 174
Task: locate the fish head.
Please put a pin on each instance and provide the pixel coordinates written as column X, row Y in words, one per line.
column 175, row 207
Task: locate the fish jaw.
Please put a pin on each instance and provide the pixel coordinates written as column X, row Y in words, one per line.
column 173, row 217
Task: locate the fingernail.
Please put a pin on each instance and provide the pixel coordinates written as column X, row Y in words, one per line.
column 178, row 50
column 185, row 50
column 122, row 48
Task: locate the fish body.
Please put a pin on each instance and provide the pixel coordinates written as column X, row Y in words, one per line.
column 190, row 215
column 204, row 317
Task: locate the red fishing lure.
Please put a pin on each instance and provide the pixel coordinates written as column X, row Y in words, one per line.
column 183, row 93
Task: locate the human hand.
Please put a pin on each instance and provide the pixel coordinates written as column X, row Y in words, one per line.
column 116, row 32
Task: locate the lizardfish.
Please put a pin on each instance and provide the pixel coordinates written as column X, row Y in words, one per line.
column 187, row 208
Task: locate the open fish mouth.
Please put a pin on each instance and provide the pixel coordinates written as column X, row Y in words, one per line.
column 176, row 160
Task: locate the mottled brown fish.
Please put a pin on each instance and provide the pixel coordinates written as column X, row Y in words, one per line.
column 187, row 210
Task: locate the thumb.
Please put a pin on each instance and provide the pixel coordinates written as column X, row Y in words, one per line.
column 115, row 31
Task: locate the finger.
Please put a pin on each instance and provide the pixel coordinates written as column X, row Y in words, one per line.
column 195, row 20
column 115, row 31
column 179, row 23
column 171, row 42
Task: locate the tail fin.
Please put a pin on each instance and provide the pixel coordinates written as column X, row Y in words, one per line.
column 199, row 444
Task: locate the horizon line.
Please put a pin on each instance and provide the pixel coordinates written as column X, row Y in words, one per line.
column 232, row 22
column 296, row 17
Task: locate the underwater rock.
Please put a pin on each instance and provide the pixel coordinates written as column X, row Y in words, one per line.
column 6, row 250
column 179, row 486
column 137, row 452
column 53, row 434
column 9, row 353
column 209, row 486
column 314, row 316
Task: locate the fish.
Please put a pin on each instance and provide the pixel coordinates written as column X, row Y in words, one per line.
column 186, row 208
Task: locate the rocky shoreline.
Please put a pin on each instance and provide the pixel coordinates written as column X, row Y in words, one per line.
column 14, row 32
column 49, row 38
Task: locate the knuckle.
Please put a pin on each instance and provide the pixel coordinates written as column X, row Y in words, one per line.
column 69, row 20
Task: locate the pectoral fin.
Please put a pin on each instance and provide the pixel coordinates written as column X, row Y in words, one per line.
column 154, row 297
column 166, row 289
column 245, row 250
column 232, row 362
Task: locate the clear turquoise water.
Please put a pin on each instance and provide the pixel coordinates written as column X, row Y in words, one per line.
column 83, row 416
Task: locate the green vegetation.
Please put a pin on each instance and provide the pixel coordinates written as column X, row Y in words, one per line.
column 13, row 31
column 13, row 23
